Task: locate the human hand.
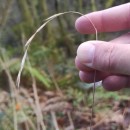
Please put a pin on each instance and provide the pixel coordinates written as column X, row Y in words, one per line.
column 111, row 60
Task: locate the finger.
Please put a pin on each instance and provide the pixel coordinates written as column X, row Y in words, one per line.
column 109, row 20
column 89, row 76
column 119, row 40
column 124, row 39
column 109, row 82
column 105, row 56
column 115, row 82
column 81, row 66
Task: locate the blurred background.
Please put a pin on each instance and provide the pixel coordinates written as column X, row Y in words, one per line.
column 51, row 95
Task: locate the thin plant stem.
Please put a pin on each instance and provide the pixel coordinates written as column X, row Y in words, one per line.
column 38, row 112
column 51, row 71
column 54, row 120
column 93, row 100
column 32, row 37
column 13, row 93
column 38, row 109
column 38, row 30
column 5, row 16
column 29, row 121
column 94, row 87
column 70, row 120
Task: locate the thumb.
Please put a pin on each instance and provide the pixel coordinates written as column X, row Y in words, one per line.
column 105, row 56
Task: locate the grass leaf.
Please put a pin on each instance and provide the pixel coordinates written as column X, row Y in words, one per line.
column 38, row 30
column 39, row 76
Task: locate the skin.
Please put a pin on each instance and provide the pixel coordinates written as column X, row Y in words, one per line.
column 110, row 59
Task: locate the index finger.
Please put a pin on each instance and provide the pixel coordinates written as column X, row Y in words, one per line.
column 109, row 20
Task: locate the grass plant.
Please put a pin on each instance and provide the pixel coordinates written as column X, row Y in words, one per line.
column 45, row 68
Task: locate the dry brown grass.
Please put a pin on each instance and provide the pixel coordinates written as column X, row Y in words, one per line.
column 39, row 113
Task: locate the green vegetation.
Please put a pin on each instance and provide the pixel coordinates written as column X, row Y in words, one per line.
column 51, row 55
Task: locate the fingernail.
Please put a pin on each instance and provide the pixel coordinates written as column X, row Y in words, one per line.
column 85, row 53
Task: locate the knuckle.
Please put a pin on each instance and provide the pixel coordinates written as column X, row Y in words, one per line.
column 106, row 59
column 111, row 58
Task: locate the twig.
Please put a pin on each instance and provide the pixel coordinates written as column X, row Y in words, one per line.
column 70, row 120
column 54, row 120
column 38, row 109
column 39, row 112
